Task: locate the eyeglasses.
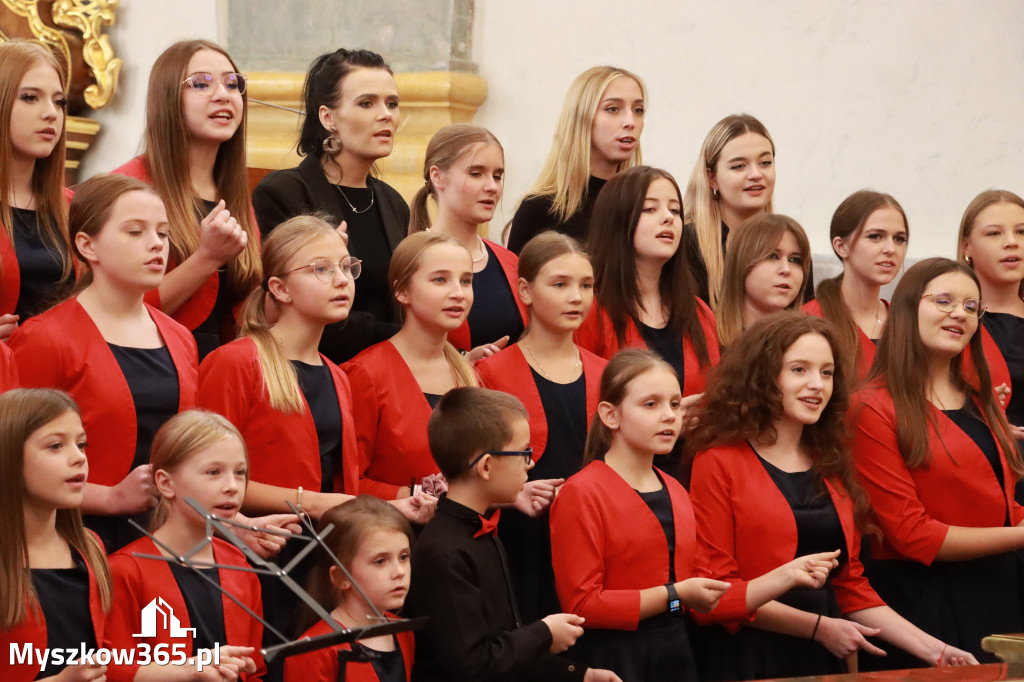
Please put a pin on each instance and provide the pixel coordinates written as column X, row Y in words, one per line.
column 526, row 454
column 325, row 268
column 206, row 83
column 947, row 304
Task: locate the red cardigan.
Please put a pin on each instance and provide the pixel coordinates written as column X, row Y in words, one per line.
column 322, row 664
column 283, row 447
column 508, row 371
column 62, row 348
column 137, row 582
column 866, row 357
column 916, row 507
column 8, row 370
column 10, row 269
column 32, row 631
column 607, row 545
column 597, row 335
column 746, row 528
column 391, row 416
column 199, row 305
column 509, row 263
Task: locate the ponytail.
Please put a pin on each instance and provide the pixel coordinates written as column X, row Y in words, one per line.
column 280, row 380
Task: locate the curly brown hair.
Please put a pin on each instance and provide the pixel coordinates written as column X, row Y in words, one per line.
column 743, row 402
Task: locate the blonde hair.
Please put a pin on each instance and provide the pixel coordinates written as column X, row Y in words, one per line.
column 702, row 208
column 24, row 411
column 166, row 148
column 280, row 380
column 749, row 244
column 179, row 438
column 978, row 204
column 405, row 261
column 566, row 171
column 443, row 150
column 17, row 57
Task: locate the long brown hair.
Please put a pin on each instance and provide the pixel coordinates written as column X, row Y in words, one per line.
column 749, row 244
column 17, row 57
column 618, row 374
column 405, row 261
column 703, row 208
column 443, row 150
column 280, row 381
column 743, row 401
column 166, row 157
column 179, row 438
column 901, row 365
column 566, row 171
column 91, row 208
column 612, row 228
column 353, row 521
column 24, row 411
column 847, row 224
column 978, row 204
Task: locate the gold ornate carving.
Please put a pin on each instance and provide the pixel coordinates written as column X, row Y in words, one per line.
column 88, row 18
column 29, row 9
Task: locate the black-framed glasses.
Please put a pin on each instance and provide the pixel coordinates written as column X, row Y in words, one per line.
column 204, row 84
column 947, row 304
column 526, row 454
column 324, row 268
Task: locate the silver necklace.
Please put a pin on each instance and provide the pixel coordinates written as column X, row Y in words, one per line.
column 350, row 203
column 483, row 250
column 575, row 367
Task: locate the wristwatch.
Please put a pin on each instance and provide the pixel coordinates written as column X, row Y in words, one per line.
column 674, row 605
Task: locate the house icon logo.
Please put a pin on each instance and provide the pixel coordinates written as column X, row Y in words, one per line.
column 159, row 610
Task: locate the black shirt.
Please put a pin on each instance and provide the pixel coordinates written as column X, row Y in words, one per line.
column 818, row 528
column 368, row 243
column 1007, row 331
column 204, row 604
column 462, row 583
column 534, row 216
column 317, row 386
column 208, row 333
column 64, row 599
column 967, row 420
column 666, row 343
column 494, row 313
column 153, row 381
column 389, row 665
column 42, row 282
column 661, row 506
column 565, row 408
column 432, row 399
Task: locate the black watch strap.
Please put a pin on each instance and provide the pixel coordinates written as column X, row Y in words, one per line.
column 674, row 605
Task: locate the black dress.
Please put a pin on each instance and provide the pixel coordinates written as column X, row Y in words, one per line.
column 659, row 648
column 959, row 602
column 494, row 313
column 374, row 233
column 153, row 381
column 528, row 540
column 752, row 654
column 534, row 216
column 204, row 603
column 1007, row 331
column 40, row 267
column 64, row 599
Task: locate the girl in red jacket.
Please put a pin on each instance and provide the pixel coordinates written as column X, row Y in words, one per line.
column 558, row 382
column 935, row 455
column 36, row 263
column 623, row 537
column 772, row 479
column 197, row 455
column 371, row 539
column 127, row 364
column 463, row 171
column 869, row 234
column 63, row 601
column 194, row 156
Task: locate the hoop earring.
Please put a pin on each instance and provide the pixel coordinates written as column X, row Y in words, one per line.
column 332, row 143
column 714, row 194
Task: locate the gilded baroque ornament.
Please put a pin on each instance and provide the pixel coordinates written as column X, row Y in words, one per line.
column 88, row 18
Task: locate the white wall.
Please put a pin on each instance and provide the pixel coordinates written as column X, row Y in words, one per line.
column 918, row 98
column 143, row 29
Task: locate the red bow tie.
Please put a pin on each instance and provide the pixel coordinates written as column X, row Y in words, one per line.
column 489, row 525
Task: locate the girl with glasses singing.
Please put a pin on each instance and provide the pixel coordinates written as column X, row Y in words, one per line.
column 935, row 455
column 352, row 114
column 195, row 158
